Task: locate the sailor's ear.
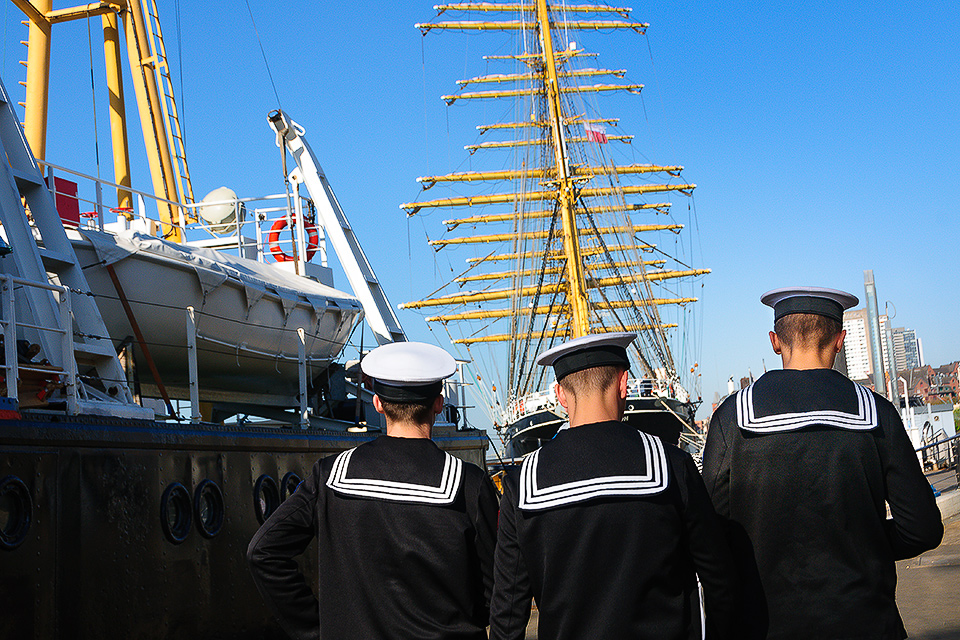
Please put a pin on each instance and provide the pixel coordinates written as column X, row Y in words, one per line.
column 840, row 337
column 624, row 382
column 377, row 404
column 561, row 395
column 438, row 405
column 775, row 342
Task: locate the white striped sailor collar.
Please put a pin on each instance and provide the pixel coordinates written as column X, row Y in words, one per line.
column 863, row 420
column 534, row 497
column 379, row 489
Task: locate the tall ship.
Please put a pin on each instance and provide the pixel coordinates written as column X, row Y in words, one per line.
column 557, row 229
column 171, row 366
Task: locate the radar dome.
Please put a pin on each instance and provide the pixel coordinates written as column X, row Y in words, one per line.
column 221, row 211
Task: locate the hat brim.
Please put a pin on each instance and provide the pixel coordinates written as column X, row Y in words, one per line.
column 814, row 300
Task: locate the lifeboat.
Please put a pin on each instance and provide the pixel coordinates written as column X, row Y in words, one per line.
column 246, row 314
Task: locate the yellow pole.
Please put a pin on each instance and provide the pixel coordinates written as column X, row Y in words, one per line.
column 576, row 292
column 505, row 313
column 118, row 116
column 38, row 78
column 151, row 118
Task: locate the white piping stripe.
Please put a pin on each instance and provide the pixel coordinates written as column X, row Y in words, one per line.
column 865, row 418
column 655, row 480
column 446, row 493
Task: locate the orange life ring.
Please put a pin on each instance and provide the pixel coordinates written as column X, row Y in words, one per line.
column 273, row 240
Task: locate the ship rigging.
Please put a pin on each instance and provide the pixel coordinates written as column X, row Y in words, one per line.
column 571, row 248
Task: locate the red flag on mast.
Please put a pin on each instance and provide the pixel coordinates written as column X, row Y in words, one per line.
column 595, row 132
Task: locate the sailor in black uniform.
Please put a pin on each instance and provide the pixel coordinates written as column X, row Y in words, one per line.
column 606, row 526
column 800, row 465
column 405, row 531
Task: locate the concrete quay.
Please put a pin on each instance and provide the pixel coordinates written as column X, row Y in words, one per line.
column 928, row 586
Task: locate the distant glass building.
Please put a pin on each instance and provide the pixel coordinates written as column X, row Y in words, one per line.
column 856, row 346
column 906, row 351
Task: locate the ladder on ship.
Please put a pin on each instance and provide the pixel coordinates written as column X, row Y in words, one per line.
column 158, row 58
column 68, row 328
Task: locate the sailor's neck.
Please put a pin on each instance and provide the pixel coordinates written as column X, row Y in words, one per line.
column 410, row 430
column 804, row 359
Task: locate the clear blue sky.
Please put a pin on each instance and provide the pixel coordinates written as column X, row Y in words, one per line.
column 823, row 137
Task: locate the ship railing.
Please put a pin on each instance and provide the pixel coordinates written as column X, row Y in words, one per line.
column 12, row 368
column 648, row 388
column 80, row 200
column 519, row 408
column 937, row 450
column 522, row 406
column 942, row 453
column 282, row 229
column 454, row 396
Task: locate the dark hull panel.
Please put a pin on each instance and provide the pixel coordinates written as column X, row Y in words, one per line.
column 646, row 414
column 89, row 550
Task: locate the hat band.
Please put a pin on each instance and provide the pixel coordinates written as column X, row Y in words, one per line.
column 601, row 356
column 808, row 304
column 407, row 394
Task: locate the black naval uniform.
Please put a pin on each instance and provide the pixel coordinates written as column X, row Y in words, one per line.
column 799, row 465
column 405, row 533
column 605, row 527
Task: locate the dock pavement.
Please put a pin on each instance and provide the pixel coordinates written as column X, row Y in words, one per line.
column 928, row 586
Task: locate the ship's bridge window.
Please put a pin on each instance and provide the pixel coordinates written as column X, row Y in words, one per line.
column 266, row 497
column 16, row 512
column 176, row 512
column 208, row 508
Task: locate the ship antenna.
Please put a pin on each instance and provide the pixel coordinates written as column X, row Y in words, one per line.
column 264, row 54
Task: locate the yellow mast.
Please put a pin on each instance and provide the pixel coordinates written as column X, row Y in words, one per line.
column 575, row 269
column 576, row 290
column 659, row 207
column 151, row 118
column 501, row 237
column 507, row 337
column 523, row 77
column 500, row 198
column 502, row 275
column 558, row 255
column 41, row 18
column 472, row 148
column 512, row 93
column 547, row 288
column 118, row 115
column 519, row 25
column 38, row 74
column 498, row 6
column 535, row 124
column 512, row 174
column 543, row 309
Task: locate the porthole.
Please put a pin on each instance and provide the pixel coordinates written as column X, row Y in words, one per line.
column 266, row 497
column 208, row 508
column 16, row 512
column 289, row 485
column 176, row 513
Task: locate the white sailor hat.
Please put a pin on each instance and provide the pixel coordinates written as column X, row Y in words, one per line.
column 585, row 352
column 408, row 371
column 816, row 300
